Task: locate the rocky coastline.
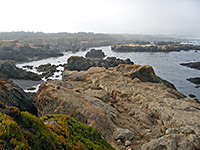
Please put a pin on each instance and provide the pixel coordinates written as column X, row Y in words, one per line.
column 21, row 52
column 130, row 106
column 153, row 47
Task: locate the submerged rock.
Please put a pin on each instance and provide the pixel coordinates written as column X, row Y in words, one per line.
column 111, row 99
column 21, row 130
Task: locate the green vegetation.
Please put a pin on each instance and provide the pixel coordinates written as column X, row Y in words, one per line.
column 23, row 131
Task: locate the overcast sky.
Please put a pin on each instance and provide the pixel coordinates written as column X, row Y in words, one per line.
column 102, row 16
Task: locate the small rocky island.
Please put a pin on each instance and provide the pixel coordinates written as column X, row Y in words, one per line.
column 93, row 53
column 153, row 47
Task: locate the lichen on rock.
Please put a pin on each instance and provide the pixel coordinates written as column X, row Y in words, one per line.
column 21, row 130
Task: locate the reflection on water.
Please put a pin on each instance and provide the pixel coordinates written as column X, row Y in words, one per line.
column 166, row 65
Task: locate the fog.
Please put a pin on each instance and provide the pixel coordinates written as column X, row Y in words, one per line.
column 102, row 16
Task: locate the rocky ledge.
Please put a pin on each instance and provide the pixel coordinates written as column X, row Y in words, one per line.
column 23, row 131
column 130, row 110
column 16, row 51
column 195, row 65
column 153, row 47
column 9, row 69
column 80, row 63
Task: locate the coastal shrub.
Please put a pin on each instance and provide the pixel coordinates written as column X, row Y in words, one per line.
column 23, row 131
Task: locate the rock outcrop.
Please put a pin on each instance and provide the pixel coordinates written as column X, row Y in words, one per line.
column 13, row 95
column 11, row 71
column 195, row 65
column 47, row 70
column 16, row 51
column 129, row 113
column 194, row 80
column 80, row 63
column 93, row 53
column 21, row 130
column 153, row 48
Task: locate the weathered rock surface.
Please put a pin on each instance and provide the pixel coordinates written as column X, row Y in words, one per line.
column 11, row 71
column 195, row 65
column 123, row 108
column 16, row 51
column 195, row 80
column 80, row 63
column 153, row 48
column 13, row 95
column 23, row 131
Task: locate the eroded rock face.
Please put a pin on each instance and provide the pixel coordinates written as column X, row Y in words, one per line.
column 13, row 95
column 125, row 107
column 11, row 71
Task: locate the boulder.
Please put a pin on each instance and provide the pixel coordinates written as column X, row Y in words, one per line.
column 13, row 95
column 148, row 114
column 123, row 135
column 93, row 53
column 11, row 71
